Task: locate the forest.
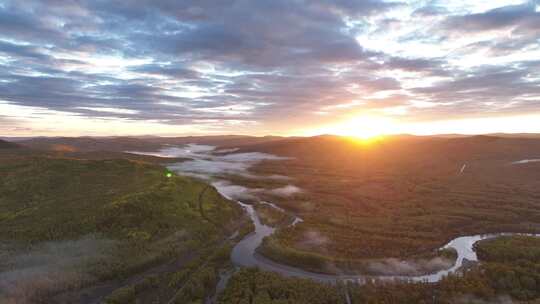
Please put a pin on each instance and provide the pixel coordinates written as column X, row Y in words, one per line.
column 121, row 228
column 509, row 271
column 67, row 224
column 364, row 203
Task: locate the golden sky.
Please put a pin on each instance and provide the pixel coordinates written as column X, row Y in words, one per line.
column 359, row 68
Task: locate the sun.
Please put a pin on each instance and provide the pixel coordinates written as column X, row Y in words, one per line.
column 362, row 127
column 363, row 132
column 366, row 127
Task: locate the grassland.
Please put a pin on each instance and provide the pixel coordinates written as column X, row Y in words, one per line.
column 129, row 217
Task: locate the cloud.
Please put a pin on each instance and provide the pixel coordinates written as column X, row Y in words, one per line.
column 523, row 16
column 167, row 70
column 492, row 89
column 16, row 50
column 510, row 28
column 282, row 63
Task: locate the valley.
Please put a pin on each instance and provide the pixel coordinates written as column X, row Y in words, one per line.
column 354, row 230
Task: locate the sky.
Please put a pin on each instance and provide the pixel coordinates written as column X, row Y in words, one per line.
column 282, row 67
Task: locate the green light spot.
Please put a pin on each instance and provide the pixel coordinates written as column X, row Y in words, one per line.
column 169, row 174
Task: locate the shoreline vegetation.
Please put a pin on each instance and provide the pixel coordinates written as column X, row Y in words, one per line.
column 413, row 266
column 271, row 216
column 420, row 264
column 508, row 270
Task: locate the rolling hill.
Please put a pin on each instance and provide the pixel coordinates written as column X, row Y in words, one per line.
column 147, row 143
column 86, row 144
column 8, row 145
column 67, row 224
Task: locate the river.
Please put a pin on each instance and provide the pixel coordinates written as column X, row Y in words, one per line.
column 205, row 165
column 244, row 254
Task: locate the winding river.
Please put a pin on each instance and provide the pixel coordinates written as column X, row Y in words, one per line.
column 244, row 254
column 206, row 165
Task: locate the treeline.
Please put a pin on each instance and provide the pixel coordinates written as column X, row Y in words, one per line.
column 199, row 282
column 509, row 249
column 510, row 267
column 511, row 271
column 275, row 248
column 251, row 285
column 194, row 283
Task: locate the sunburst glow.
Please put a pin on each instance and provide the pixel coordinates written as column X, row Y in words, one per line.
column 354, row 68
column 363, row 127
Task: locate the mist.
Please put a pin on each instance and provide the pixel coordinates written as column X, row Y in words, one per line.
column 285, row 191
column 394, row 266
column 235, row 192
column 49, row 267
column 204, row 163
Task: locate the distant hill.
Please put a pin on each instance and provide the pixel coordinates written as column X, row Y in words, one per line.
column 86, row 144
column 401, row 148
column 147, row 143
column 224, row 141
column 507, row 145
column 8, row 145
column 517, row 135
column 90, row 220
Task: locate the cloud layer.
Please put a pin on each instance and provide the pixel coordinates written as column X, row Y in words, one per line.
column 206, row 66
